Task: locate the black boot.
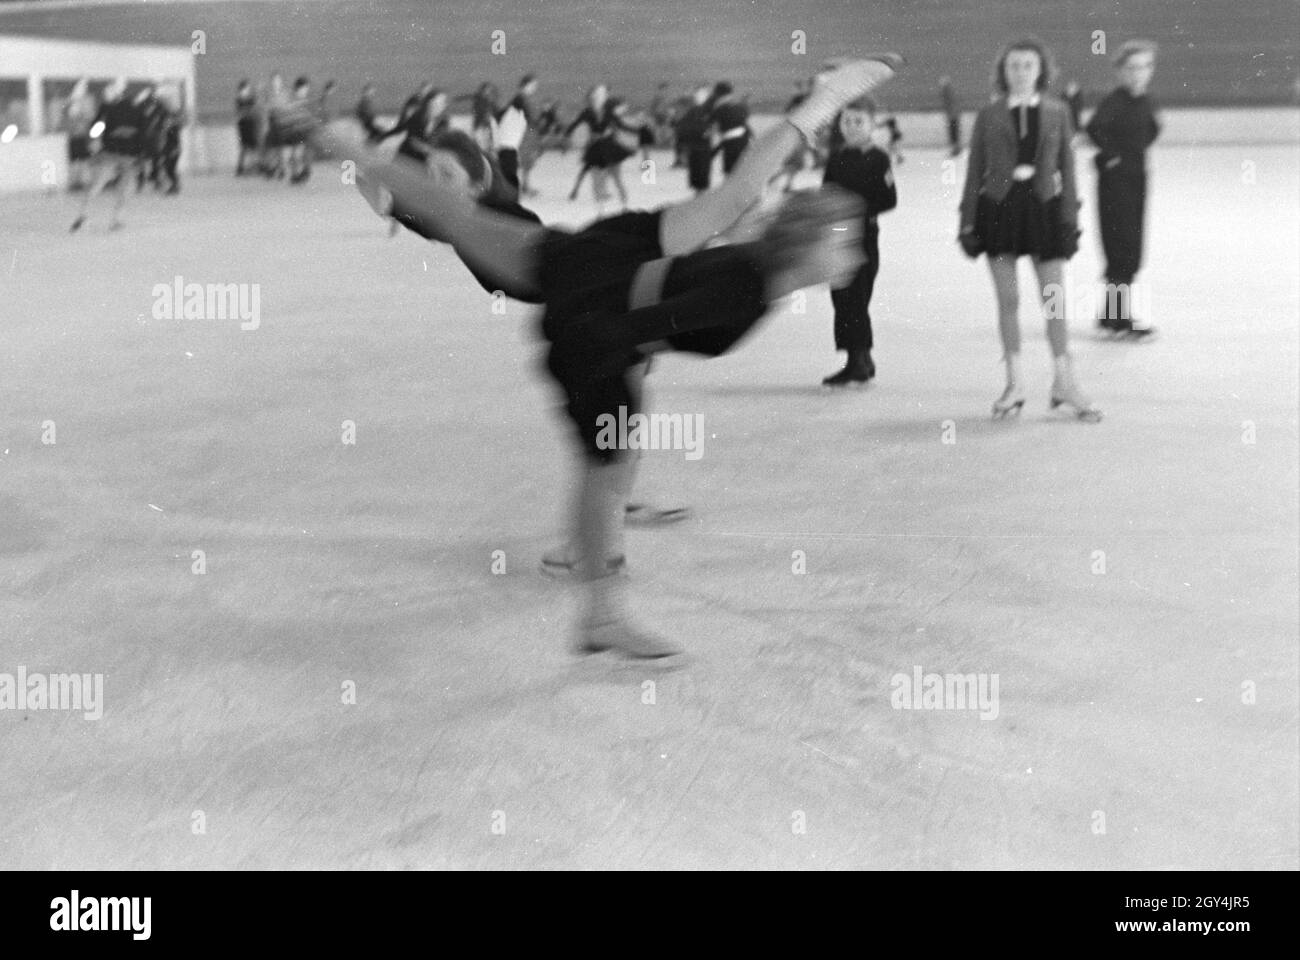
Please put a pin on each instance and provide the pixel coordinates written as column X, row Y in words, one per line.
column 857, row 369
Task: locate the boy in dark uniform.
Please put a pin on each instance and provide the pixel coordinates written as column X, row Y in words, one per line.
column 862, row 167
column 731, row 117
column 693, row 139
column 1123, row 127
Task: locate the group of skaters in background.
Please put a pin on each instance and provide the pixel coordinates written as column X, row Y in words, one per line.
column 121, row 138
column 156, row 117
column 265, row 149
column 1019, row 199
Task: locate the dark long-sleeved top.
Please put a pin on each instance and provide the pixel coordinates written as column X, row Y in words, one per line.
column 866, row 173
column 597, row 123
column 693, row 126
column 1123, row 127
column 730, row 114
column 995, row 150
column 604, row 124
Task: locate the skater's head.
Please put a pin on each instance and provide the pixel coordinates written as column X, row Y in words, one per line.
column 721, row 90
column 457, row 163
column 301, row 87
column 701, row 95
column 856, row 121
column 1023, row 67
column 528, row 85
column 1136, row 63
column 815, row 236
column 597, row 96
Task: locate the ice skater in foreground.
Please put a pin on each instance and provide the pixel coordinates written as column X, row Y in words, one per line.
column 637, row 283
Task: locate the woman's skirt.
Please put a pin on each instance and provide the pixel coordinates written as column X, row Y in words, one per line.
column 1022, row 225
column 605, row 152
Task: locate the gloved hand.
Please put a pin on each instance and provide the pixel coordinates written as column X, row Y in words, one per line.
column 970, row 244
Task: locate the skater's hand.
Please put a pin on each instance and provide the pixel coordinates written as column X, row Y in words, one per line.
column 970, row 244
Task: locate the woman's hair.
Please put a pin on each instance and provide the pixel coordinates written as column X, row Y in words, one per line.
column 482, row 169
column 863, row 103
column 1131, row 48
column 1047, row 65
column 801, row 220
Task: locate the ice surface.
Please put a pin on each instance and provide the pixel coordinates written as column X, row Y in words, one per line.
column 1121, row 693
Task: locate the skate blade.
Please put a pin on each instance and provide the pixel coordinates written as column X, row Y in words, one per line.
column 1086, row 415
column 650, row 517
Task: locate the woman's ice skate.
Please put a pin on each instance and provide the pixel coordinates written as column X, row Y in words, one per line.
column 623, row 636
column 1010, row 403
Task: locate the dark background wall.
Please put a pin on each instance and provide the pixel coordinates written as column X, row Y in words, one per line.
column 1213, row 52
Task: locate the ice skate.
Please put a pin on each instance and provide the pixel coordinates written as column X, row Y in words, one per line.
column 1012, row 400
column 648, row 515
column 561, row 563
column 1139, row 333
column 1010, row 403
column 623, row 636
column 1065, row 392
column 857, row 369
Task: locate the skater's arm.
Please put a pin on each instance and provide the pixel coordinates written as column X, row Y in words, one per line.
column 974, row 174
column 1098, row 127
column 502, row 249
column 882, row 192
column 1069, row 189
column 586, row 116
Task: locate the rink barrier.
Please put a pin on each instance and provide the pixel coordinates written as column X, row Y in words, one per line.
column 213, row 148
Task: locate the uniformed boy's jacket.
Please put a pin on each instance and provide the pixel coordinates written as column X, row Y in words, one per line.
column 1123, row 127
column 993, row 158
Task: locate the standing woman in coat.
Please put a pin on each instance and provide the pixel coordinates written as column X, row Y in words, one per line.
column 1020, row 200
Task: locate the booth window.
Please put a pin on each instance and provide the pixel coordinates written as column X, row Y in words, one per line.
column 14, row 107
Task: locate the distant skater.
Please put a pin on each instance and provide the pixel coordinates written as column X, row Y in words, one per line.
column 120, row 129
column 951, row 114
